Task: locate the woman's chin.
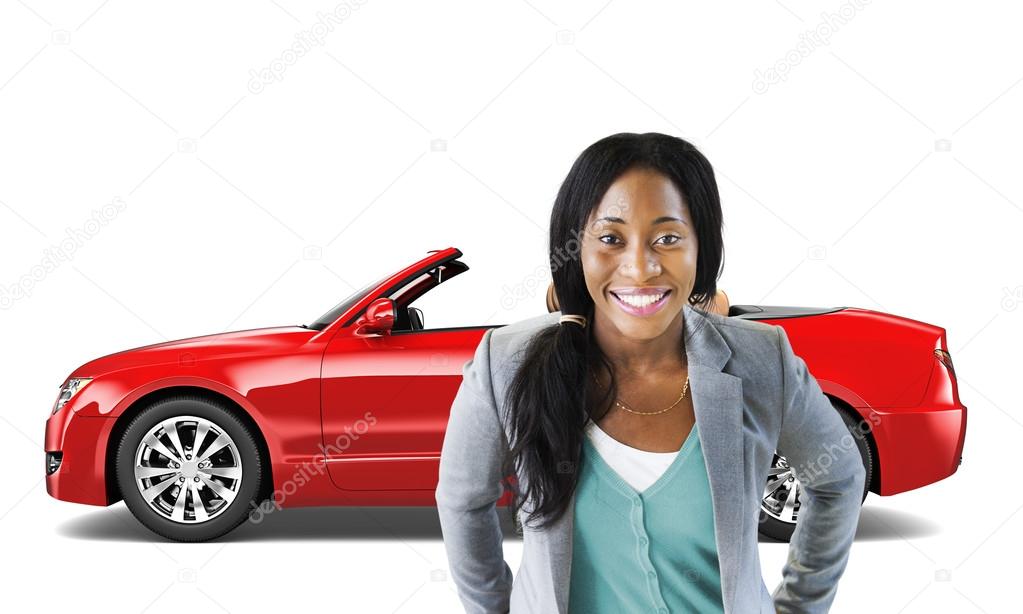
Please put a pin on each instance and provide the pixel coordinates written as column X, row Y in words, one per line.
column 643, row 327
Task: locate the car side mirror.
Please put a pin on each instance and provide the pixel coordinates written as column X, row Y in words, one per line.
column 378, row 318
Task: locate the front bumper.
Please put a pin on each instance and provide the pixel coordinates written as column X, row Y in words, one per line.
column 81, row 442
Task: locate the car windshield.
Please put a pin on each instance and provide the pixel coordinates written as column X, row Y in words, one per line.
column 325, row 320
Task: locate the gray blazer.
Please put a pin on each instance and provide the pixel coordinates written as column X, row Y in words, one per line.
column 751, row 395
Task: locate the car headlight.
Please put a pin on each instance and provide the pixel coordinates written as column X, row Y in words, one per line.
column 69, row 390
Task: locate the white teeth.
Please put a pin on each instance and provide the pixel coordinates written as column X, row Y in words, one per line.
column 640, row 301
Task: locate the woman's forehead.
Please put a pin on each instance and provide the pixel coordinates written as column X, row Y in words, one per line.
column 639, row 194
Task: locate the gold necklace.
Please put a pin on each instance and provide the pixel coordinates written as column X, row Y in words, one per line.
column 685, row 387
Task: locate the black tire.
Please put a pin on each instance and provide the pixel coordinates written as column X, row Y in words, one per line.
column 781, row 530
column 244, row 453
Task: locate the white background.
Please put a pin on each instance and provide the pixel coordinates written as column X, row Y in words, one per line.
column 883, row 172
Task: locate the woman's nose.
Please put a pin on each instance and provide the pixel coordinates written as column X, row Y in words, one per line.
column 640, row 265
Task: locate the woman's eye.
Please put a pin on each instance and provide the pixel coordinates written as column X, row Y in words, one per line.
column 615, row 242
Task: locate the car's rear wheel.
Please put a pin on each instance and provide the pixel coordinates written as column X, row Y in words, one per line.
column 780, row 502
column 188, row 468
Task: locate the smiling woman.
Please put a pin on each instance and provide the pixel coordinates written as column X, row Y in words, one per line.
column 684, row 407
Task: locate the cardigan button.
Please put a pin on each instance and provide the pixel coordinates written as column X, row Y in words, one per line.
column 652, row 574
column 642, row 541
column 637, row 502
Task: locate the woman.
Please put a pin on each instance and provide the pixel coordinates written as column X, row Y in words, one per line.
column 639, row 426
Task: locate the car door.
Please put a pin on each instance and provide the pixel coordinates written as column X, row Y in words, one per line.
column 385, row 405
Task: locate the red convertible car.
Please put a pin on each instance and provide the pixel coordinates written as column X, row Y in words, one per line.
column 200, row 434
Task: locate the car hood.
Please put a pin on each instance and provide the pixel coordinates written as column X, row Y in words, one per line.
column 278, row 339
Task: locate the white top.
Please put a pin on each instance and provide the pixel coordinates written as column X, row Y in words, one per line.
column 639, row 468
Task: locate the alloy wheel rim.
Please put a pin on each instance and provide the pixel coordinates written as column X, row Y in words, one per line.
column 188, row 469
column 781, row 492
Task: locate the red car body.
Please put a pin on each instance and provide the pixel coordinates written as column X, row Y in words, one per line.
column 354, row 418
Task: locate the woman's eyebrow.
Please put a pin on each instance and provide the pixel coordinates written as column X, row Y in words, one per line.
column 660, row 220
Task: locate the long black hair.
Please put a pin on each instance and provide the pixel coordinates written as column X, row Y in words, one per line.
column 549, row 397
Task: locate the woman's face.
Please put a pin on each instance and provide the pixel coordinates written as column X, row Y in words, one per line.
column 646, row 249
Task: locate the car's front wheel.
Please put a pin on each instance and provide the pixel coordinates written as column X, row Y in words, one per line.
column 781, row 499
column 188, row 468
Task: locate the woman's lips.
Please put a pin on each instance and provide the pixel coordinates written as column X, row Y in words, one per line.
column 646, row 310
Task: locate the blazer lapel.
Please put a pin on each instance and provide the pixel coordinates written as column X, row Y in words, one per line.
column 717, row 404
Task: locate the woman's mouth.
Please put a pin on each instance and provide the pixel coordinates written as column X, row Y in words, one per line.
column 637, row 305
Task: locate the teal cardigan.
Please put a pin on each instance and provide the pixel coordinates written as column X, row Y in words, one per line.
column 653, row 551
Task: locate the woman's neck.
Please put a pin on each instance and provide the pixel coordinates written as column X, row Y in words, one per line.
column 639, row 357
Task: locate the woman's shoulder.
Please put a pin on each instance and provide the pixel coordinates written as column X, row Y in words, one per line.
column 755, row 355
column 525, row 328
column 731, row 326
column 510, row 339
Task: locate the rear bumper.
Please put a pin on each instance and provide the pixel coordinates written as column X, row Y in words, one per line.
column 918, row 447
column 82, row 442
